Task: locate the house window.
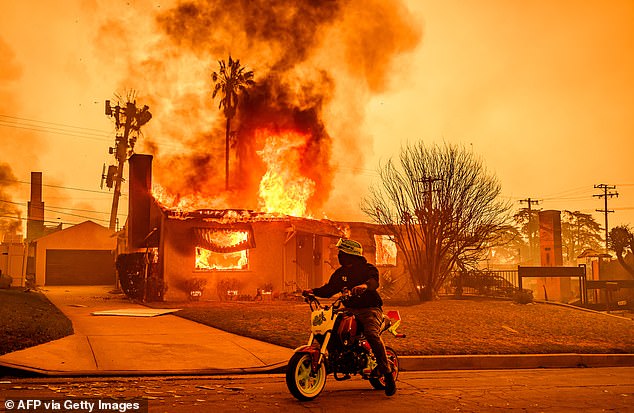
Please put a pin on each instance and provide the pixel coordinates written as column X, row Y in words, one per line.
column 209, row 260
column 385, row 250
column 222, row 249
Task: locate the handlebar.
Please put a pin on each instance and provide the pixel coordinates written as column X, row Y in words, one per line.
column 314, row 303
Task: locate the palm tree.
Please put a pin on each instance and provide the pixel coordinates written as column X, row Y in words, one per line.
column 230, row 80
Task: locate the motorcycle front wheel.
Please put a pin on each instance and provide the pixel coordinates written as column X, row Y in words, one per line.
column 302, row 382
column 392, row 360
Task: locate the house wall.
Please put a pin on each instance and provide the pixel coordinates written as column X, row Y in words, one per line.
column 267, row 261
column 13, row 262
column 274, row 260
column 84, row 236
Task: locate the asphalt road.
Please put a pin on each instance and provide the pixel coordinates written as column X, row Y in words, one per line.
column 544, row 390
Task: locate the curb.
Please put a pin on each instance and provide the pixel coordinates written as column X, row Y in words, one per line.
column 514, row 361
column 16, row 370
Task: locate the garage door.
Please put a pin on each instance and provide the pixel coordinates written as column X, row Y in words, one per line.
column 79, row 267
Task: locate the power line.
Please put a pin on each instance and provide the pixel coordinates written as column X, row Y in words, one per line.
column 67, row 130
column 90, row 133
column 75, row 215
column 82, row 210
column 568, row 192
column 57, row 124
column 67, row 213
column 26, row 219
column 60, row 187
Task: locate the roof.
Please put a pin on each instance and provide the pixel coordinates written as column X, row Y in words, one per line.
column 84, row 226
column 242, row 216
column 593, row 253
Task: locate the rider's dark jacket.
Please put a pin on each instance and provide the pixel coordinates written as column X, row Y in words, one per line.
column 359, row 273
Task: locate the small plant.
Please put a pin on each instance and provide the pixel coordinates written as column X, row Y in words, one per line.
column 388, row 284
column 523, row 297
column 195, row 287
column 228, row 288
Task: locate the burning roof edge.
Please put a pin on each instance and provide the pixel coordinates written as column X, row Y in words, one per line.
column 234, row 216
column 222, row 216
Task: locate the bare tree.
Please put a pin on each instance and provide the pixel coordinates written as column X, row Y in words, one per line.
column 621, row 240
column 441, row 207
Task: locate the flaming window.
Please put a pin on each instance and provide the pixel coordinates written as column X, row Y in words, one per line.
column 223, row 248
column 385, row 250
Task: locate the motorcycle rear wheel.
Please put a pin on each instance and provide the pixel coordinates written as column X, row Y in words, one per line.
column 300, row 379
column 392, row 359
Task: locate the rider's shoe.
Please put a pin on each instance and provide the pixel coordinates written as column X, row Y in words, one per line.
column 390, row 384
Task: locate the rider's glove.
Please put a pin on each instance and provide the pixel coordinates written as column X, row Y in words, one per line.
column 306, row 293
column 359, row 289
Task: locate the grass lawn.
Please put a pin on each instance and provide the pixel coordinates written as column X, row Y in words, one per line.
column 447, row 326
column 28, row 319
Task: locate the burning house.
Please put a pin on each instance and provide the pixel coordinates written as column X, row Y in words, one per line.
column 231, row 253
column 235, row 211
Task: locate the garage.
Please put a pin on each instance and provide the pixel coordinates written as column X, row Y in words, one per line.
column 79, row 255
column 79, row 267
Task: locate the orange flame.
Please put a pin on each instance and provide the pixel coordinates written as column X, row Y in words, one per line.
column 190, row 202
column 209, row 260
column 283, row 188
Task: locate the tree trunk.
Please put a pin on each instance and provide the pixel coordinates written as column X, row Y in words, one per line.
column 426, row 293
column 624, row 264
column 227, row 129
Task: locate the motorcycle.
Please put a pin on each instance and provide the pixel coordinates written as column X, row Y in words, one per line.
column 336, row 345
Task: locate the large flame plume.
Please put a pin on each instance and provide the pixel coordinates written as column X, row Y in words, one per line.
column 315, row 62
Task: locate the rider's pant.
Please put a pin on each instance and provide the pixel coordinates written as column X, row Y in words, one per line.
column 371, row 320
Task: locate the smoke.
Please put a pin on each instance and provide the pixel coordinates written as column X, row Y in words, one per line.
column 10, row 72
column 315, row 63
column 10, row 214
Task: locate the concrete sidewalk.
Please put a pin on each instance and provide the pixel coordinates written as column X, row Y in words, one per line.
column 115, row 345
column 124, row 345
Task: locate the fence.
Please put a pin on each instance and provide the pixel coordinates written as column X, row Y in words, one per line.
column 483, row 282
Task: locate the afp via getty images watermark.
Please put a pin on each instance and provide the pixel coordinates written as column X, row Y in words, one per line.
column 77, row 405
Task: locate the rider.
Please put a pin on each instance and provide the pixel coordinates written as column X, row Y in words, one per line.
column 362, row 278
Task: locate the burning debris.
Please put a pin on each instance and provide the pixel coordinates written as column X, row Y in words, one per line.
column 315, row 65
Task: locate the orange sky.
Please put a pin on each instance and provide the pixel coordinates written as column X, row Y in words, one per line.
column 542, row 90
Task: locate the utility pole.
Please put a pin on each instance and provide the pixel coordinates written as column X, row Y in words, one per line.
column 531, row 241
column 130, row 119
column 605, row 209
column 428, row 190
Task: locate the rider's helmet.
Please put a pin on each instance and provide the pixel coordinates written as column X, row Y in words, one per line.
column 350, row 246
